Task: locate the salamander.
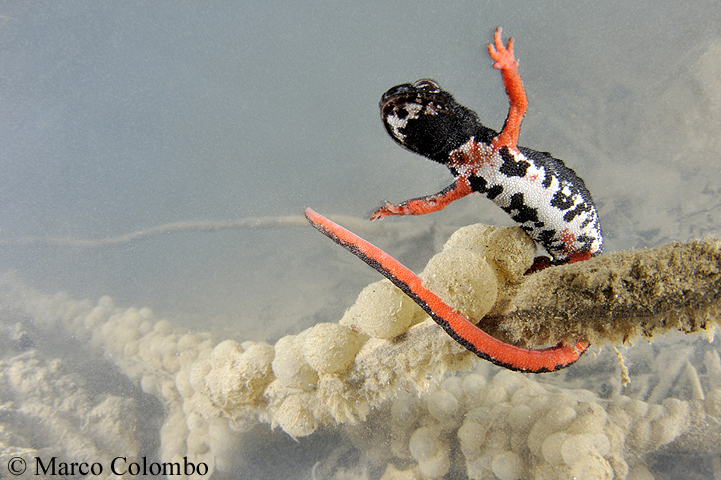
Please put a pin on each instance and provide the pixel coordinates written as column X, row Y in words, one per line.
column 541, row 194
column 545, row 197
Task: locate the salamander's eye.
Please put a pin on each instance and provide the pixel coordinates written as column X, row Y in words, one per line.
column 427, row 85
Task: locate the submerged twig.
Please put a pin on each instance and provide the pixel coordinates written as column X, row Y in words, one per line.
column 616, row 297
column 187, row 226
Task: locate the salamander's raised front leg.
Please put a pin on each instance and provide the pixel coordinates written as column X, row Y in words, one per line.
column 507, row 64
column 431, row 203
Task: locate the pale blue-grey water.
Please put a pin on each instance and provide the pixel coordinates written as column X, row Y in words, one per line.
column 119, row 116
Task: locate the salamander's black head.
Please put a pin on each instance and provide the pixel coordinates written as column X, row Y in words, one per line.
column 427, row 120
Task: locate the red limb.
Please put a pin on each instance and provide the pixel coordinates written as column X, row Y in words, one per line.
column 579, row 257
column 431, row 203
column 539, row 263
column 507, row 64
column 543, row 262
column 460, row 329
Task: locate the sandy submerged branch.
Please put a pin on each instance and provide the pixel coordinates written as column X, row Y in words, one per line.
column 615, row 298
column 385, row 359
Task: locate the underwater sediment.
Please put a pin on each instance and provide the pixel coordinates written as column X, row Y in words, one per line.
column 402, row 391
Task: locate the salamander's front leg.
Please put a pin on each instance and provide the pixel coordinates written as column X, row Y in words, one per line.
column 431, row 203
column 507, row 64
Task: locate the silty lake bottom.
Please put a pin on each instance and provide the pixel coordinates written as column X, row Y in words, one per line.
column 360, row 400
column 136, row 117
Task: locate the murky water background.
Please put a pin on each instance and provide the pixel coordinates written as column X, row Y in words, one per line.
column 123, row 116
